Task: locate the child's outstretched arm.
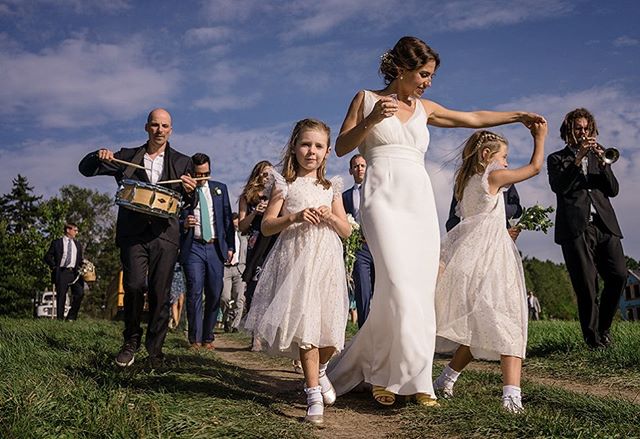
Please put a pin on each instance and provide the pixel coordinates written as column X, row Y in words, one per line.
column 336, row 217
column 504, row 177
column 272, row 223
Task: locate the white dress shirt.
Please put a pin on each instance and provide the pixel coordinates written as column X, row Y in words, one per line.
column 74, row 252
column 154, row 167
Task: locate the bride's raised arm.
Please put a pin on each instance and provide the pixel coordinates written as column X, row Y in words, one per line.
column 443, row 117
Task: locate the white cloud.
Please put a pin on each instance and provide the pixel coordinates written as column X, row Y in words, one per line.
column 79, row 83
column 209, row 35
column 626, row 41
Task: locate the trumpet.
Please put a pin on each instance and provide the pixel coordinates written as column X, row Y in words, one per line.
column 607, row 156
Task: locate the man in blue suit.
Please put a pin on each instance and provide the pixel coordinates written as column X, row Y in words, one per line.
column 363, row 269
column 207, row 241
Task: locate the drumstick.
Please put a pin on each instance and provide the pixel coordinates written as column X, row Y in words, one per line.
column 180, row 181
column 128, row 163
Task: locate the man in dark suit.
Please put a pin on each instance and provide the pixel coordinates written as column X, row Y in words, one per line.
column 65, row 258
column 207, row 241
column 363, row 269
column 512, row 209
column 148, row 244
column 586, row 225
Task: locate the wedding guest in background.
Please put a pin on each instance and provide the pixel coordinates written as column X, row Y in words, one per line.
column 64, row 257
column 148, row 244
column 586, row 225
column 232, row 300
column 534, row 306
column 364, row 272
column 207, row 241
column 251, row 207
column 178, row 289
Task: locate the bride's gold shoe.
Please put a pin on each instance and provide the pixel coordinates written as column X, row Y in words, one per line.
column 383, row 396
column 426, row 400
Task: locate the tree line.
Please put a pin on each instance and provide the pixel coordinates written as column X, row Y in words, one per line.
column 29, row 223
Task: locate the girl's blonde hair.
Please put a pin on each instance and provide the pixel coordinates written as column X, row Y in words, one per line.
column 289, row 163
column 256, row 183
column 472, row 161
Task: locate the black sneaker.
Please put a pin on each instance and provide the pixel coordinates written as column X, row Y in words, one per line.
column 126, row 356
column 155, row 362
column 605, row 339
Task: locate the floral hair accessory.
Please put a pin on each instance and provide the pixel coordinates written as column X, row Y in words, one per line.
column 386, row 57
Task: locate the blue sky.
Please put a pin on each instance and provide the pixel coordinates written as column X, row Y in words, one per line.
column 77, row 75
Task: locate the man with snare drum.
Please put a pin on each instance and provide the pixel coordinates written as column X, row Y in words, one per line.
column 148, row 243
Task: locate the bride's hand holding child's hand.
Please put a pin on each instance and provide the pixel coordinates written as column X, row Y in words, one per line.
column 539, row 129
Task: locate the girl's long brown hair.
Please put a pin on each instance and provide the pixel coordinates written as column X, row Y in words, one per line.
column 472, row 162
column 289, row 163
column 256, row 183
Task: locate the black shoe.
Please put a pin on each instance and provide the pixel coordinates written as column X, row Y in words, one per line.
column 234, row 330
column 126, row 356
column 227, row 327
column 592, row 344
column 156, row 362
column 605, row 339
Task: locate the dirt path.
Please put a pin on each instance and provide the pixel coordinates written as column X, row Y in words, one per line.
column 354, row 415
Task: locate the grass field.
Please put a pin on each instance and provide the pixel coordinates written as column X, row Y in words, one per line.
column 58, row 380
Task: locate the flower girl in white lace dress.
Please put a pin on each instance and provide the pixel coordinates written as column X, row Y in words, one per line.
column 300, row 305
column 481, row 308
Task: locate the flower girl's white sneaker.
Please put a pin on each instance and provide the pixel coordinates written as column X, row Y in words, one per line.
column 444, row 387
column 328, row 392
column 512, row 404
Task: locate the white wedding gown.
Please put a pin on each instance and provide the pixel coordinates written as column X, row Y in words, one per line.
column 394, row 348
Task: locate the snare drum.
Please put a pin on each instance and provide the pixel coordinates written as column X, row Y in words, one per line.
column 148, row 198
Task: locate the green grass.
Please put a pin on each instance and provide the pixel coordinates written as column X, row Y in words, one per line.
column 59, row 380
column 555, row 348
column 550, row 413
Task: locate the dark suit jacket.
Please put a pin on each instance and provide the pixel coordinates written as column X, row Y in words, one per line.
column 347, row 201
column 575, row 193
column 512, row 207
column 224, row 224
column 53, row 257
column 134, row 227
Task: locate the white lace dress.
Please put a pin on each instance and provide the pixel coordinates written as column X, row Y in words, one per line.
column 481, row 296
column 301, row 297
column 394, row 347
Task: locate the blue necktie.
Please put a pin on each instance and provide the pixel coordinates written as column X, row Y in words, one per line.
column 205, row 220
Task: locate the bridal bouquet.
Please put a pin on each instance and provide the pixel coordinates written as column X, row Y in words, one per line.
column 351, row 245
column 535, row 218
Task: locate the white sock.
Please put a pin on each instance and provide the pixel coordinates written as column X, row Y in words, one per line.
column 447, row 378
column 315, row 406
column 512, row 391
column 323, row 368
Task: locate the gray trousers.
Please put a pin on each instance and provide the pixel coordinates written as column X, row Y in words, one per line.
column 232, row 299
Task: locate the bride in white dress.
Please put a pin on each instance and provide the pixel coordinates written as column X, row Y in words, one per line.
column 393, row 351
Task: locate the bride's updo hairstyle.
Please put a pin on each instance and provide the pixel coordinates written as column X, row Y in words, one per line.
column 472, row 161
column 409, row 53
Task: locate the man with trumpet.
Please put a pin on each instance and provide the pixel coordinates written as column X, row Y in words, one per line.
column 148, row 244
column 586, row 226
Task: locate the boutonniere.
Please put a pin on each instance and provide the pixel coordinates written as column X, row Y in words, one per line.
column 217, row 190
